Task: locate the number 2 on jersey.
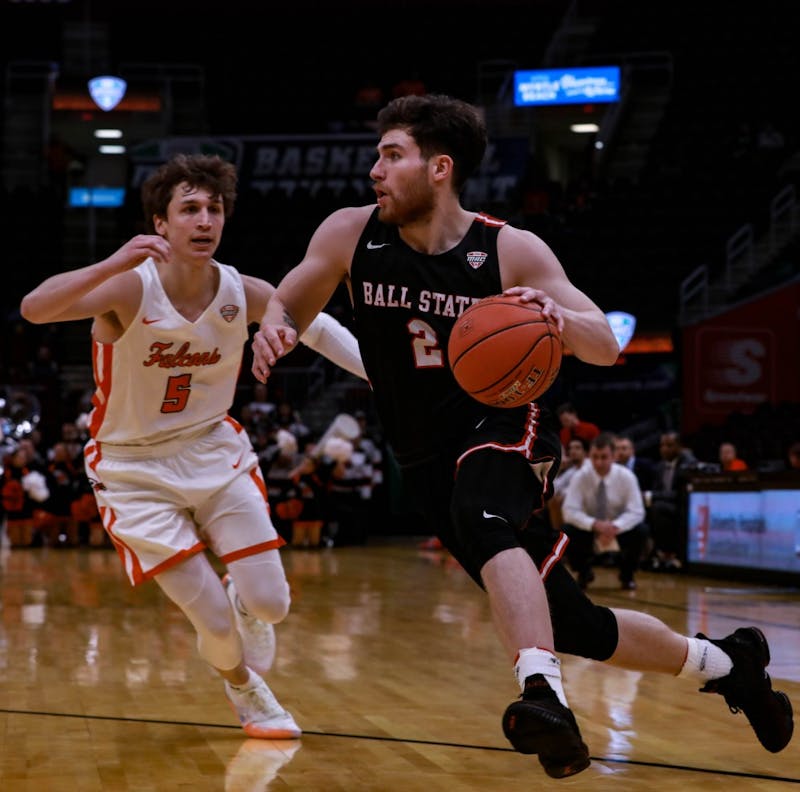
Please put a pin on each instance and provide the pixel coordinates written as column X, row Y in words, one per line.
column 427, row 350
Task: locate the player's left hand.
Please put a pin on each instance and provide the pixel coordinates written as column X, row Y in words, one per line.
column 271, row 342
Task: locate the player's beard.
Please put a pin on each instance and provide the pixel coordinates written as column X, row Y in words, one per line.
column 413, row 206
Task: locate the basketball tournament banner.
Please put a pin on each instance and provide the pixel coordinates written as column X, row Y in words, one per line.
column 336, row 166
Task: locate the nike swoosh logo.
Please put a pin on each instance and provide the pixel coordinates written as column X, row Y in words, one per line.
column 238, row 462
column 145, row 320
column 480, row 423
column 371, row 246
column 498, row 516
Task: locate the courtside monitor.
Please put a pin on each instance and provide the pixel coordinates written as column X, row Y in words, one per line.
column 585, row 85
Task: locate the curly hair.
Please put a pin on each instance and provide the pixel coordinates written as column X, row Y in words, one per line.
column 210, row 173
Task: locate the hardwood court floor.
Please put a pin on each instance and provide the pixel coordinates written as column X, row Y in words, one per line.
column 389, row 663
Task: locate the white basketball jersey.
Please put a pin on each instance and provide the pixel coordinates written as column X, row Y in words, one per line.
column 166, row 376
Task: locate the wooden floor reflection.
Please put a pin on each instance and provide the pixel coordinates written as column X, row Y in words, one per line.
column 388, row 662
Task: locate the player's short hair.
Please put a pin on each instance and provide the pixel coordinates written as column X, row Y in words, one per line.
column 440, row 124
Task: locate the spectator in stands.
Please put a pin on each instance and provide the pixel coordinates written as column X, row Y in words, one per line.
column 641, row 467
column 286, row 417
column 261, row 406
column 279, row 463
column 367, row 100
column 743, row 141
column 24, row 490
column 576, row 455
column 64, row 482
column 71, row 438
column 769, row 137
column 729, row 459
column 666, row 505
column 351, row 489
column 411, row 85
column 793, row 456
column 572, row 426
column 34, row 459
column 604, row 512
column 312, row 476
column 370, row 446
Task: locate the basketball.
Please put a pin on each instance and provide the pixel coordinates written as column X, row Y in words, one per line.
column 503, row 352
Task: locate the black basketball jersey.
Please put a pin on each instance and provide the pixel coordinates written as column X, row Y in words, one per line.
column 405, row 305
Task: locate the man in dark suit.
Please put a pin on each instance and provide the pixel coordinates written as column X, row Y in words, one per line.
column 666, row 502
column 641, row 467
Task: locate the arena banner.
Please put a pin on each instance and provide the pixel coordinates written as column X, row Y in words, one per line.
column 336, row 165
column 743, row 358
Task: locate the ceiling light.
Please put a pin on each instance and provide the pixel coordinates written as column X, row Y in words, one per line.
column 583, row 129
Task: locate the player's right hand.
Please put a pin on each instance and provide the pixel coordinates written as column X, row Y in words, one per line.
column 136, row 250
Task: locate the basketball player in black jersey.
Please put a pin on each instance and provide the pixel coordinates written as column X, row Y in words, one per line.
column 412, row 264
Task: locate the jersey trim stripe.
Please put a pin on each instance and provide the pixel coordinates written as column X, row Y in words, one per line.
column 488, row 220
column 102, row 359
column 524, row 446
column 92, row 454
column 272, row 544
column 555, row 556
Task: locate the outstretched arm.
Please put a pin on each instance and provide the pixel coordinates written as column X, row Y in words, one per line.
column 324, row 335
column 307, row 288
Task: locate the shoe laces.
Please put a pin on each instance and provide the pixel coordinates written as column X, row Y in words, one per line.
column 260, row 700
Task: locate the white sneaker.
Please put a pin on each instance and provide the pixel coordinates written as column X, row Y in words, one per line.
column 258, row 637
column 259, row 712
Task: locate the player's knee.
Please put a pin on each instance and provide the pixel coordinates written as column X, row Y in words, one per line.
column 215, row 625
column 270, row 605
column 483, row 531
column 588, row 630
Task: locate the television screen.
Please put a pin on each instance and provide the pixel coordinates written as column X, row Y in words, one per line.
column 752, row 529
column 585, row 85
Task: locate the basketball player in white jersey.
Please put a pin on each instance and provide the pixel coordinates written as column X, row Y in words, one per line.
column 172, row 472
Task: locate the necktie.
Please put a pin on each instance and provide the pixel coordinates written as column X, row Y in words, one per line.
column 669, row 471
column 601, row 508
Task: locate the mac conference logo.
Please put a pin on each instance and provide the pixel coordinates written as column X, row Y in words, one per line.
column 622, row 325
column 107, row 92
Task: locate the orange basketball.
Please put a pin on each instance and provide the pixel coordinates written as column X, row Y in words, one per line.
column 504, row 352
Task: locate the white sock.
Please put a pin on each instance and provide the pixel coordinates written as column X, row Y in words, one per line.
column 540, row 661
column 705, row 661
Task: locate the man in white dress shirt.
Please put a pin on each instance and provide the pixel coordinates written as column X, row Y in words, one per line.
column 604, row 511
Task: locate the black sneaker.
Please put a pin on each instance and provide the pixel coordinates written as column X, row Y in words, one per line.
column 540, row 724
column 748, row 688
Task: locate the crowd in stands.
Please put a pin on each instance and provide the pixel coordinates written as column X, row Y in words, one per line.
column 322, row 488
